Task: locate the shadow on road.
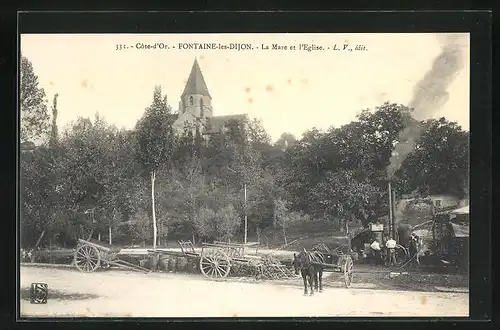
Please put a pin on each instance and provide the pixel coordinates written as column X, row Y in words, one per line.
column 58, row 295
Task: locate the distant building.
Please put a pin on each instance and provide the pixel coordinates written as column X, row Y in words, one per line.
column 195, row 108
column 444, row 201
column 438, row 201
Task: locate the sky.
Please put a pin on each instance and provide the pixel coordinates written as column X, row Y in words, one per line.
column 288, row 90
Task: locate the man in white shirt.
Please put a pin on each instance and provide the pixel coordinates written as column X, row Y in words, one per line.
column 375, row 246
column 391, row 251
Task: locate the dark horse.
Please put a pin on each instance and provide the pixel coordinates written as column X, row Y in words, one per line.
column 303, row 263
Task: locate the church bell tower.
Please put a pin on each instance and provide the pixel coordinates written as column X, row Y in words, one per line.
column 196, row 99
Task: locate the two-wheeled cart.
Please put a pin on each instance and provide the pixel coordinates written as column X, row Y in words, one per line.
column 336, row 261
column 91, row 255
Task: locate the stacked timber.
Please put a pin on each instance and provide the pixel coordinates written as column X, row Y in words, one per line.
column 172, row 263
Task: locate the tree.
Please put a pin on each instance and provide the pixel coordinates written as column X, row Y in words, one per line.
column 260, row 203
column 156, row 143
column 40, row 173
column 366, row 144
column 119, row 179
column 280, row 216
column 38, row 198
column 35, row 118
column 217, row 216
column 440, row 162
column 181, row 194
column 304, row 162
column 343, row 196
column 97, row 171
column 285, row 141
column 256, row 135
column 140, row 227
column 284, row 218
column 363, row 149
column 220, row 224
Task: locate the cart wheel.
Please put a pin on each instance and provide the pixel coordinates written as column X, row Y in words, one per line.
column 402, row 255
column 214, row 264
column 87, row 258
column 348, row 272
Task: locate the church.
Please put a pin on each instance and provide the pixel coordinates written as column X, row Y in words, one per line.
column 195, row 108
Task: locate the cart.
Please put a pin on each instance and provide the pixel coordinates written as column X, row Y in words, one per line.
column 336, row 261
column 91, row 255
column 218, row 259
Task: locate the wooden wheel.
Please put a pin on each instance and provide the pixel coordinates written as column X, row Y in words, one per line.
column 402, row 255
column 214, row 264
column 348, row 272
column 87, row 258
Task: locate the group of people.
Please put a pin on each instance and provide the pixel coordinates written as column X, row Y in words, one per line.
column 386, row 252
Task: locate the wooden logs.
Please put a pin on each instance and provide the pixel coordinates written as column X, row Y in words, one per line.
column 181, row 264
column 172, row 263
column 163, row 263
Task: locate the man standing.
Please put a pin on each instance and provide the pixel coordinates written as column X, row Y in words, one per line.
column 391, row 251
column 414, row 242
column 375, row 246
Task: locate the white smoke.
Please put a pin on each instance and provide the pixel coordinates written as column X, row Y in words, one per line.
column 429, row 95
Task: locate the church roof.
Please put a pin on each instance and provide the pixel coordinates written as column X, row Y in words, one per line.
column 215, row 124
column 196, row 83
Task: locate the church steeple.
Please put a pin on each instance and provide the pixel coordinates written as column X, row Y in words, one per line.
column 196, row 100
column 196, row 83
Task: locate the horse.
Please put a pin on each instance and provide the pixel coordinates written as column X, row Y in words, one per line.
column 303, row 264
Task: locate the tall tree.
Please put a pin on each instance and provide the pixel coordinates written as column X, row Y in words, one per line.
column 181, row 194
column 37, row 195
column 35, row 118
column 304, row 162
column 256, row 134
column 92, row 173
column 156, row 142
column 343, row 196
column 440, row 162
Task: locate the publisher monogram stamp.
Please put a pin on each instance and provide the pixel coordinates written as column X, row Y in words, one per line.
column 39, row 293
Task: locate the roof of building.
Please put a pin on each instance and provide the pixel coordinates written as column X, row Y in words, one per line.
column 460, row 230
column 215, row 124
column 196, row 83
column 462, row 210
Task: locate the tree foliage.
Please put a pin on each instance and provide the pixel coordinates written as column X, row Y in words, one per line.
column 440, row 162
column 342, row 195
column 218, row 224
column 196, row 187
column 35, row 118
column 155, row 134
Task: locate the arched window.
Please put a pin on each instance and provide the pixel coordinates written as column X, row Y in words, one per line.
column 190, row 100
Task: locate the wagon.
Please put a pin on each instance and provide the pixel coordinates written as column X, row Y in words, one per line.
column 219, row 259
column 91, row 255
column 337, row 262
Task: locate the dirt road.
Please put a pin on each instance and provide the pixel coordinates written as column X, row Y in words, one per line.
column 127, row 294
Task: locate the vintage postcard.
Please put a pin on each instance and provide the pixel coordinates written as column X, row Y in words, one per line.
column 244, row 175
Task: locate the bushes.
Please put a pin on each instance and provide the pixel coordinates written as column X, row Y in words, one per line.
column 220, row 225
